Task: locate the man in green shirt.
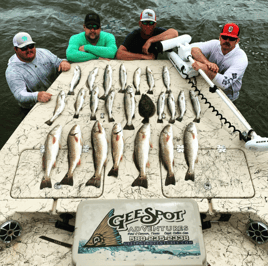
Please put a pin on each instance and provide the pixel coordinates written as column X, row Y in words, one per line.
column 91, row 44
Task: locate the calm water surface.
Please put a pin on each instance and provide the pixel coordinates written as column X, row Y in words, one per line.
column 51, row 23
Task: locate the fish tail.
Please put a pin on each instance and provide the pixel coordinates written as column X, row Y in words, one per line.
column 113, row 172
column 197, row 120
column 93, row 117
column 111, row 119
column 140, row 182
column 145, row 120
column 103, row 97
column 150, row 92
column 168, row 91
column 93, row 181
column 48, row 122
column 129, row 127
column 159, row 120
column 171, row 121
column 71, row 93
column 137, row 93
column 189, row 176
column 170, row 180
column 76, row 115
column 179, row 119
column 46, row 183
column 67, row 180
column 122, row 90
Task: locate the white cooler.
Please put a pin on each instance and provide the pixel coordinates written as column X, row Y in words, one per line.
column 138, row 233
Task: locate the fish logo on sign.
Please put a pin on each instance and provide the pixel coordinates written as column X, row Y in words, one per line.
column 230, row 29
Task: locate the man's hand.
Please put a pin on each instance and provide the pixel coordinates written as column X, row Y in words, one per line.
column 146, row 47
column 148, row 57
column 81, row 48
column 43, row 96
column 197, row 65
column 64, row 66
column 213, row 67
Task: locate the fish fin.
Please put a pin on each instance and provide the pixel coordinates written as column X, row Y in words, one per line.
column 148, row 165
column 54, row 165
column 67, row 180
column 93, row 117
column 170, row 180
column 150, row 92
column 171, row 121
column 76, row 139
column 159, row 120
column 79, row 162
column 54, row 140
column 48, row 122
column 197, row 120
column 76, row 116
column 121, row 158
column 189, row 176
column 196, row 160
column 111, row 119
column 117, row 137
column 140, row 182
column 113, row 172
column 168, row 91
column 93, row 181
column 145, row 120
column 179, row 119
column 70, row 93
column 127, row 127
column 137, row 93
column 103, row 97
column 151, row 145
column 46, row 183
column 167, row 138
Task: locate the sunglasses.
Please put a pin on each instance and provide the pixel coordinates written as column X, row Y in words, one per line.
column 94, row 27
column 151, row 23
column 228, row 37
column 25, row 48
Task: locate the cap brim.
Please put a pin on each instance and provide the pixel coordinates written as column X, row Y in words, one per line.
column 92, row 22
column 229, row 35
column 25, row 44
column 148, row 19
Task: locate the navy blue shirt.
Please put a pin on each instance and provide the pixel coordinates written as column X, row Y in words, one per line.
column 134, row 42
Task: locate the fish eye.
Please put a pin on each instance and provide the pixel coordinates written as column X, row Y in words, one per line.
column 96, row 239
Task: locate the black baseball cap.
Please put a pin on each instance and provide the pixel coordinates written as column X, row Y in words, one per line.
column 92, row 18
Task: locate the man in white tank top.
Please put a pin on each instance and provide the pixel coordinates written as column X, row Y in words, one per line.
column 222, row 60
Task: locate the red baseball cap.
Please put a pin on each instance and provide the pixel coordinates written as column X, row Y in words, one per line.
column 230, row 29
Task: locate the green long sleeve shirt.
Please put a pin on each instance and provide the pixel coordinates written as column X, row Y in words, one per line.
column 105, row 47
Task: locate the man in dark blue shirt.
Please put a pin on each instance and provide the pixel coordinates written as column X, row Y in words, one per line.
column 139, row 44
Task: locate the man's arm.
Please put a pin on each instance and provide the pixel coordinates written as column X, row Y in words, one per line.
column 124, row 54
column 106, row 49
column 166, row 35
column 199, row 56
column 18, row 88
column 73, row 54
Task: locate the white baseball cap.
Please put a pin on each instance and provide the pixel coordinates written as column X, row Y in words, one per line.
column 148, row 14
column 22, row 39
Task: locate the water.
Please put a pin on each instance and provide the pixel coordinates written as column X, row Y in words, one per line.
column 51, row 23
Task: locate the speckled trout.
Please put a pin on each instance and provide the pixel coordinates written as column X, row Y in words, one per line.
column 60, row 104
column 91, row 78
column 107, row 81
column 117, row 148
column 75, row 80
column 78, row 105
column 190, row 142
column 52, row 146
column 122, row 78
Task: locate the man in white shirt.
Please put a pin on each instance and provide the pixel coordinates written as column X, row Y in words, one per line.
column 222, row 60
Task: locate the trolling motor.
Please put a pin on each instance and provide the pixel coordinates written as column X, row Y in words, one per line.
column 183, row 61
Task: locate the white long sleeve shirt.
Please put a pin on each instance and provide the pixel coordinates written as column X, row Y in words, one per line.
column 232, row 66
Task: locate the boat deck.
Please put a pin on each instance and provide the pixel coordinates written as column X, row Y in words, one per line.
column 229, row 178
